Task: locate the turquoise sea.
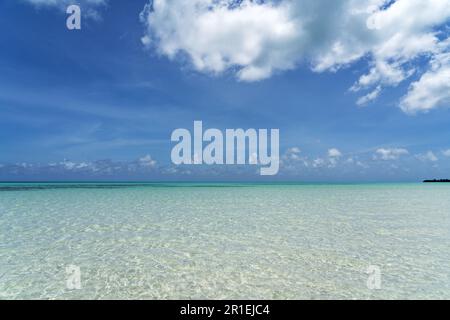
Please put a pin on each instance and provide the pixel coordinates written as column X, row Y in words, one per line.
column 224, row 241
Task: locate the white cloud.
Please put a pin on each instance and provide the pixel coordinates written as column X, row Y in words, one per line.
column 255, row 39
column 217, row 37
column 429, row 156
column 292, row 154
column 143, row 164
column 432, row 89
column 334, row 153
column 293, row 160
column 147, row 161
column 390, row 154
column 362, row 101
column 362, row 165
column 317, row 163
column 294, row 150
column 446, row 153
column 58, row 3
column 89, row 8
column 332, row 162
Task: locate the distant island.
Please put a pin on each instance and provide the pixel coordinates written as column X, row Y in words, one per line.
column 437, row 181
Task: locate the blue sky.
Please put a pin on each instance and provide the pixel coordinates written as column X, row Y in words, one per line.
column 101, row 102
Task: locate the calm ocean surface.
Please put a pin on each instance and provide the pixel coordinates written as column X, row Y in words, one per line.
column 224, row 241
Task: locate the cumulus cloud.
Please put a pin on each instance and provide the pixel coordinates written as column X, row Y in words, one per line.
column 219, row 35
column 98, row 167
column 429, row 156
column 446, row 153
column 295, row 150
column 255, row 39
column 334, row 153
column 147, row 161
column 293, row 160
column 432, row 89
column 390, row 154
column 292, row 153
column 317, row 163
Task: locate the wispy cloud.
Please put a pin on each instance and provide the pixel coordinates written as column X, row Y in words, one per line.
column 89, row 8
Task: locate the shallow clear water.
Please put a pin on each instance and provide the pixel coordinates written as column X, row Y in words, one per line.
column 170, row 241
